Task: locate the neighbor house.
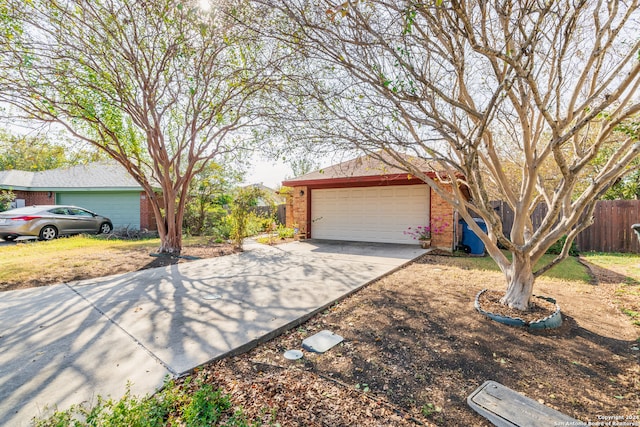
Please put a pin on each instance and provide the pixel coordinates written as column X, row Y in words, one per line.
column 103, row 187
column 366, row 200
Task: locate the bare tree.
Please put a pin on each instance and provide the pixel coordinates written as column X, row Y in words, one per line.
column 162, row 86
column 515, row 97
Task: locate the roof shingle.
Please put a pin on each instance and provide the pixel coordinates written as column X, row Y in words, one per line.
column 93, row 175
column 365, row 166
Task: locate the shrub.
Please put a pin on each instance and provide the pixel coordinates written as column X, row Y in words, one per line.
column 556, row 248
column 285, row 232
column 258, row 223
column 204, row 223
column 222, row 230
column 200, row 405
column 6, row 197
column 243, row 221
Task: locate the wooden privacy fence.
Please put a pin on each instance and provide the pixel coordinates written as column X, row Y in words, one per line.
column 611, row 229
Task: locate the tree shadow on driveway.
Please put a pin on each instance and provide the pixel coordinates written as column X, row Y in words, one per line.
column 64, row 344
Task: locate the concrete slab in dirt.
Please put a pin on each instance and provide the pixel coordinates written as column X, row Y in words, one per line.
column 68, row 343
column 55, row 349
column 321, row 342
column 507, row 408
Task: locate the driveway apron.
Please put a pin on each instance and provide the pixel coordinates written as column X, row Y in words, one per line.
column 68, row 343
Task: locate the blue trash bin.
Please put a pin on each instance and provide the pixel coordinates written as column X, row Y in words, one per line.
column 470, row 240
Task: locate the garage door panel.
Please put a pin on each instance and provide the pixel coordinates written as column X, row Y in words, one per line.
column 387, row 209
column 370, row 214
column 123, row 208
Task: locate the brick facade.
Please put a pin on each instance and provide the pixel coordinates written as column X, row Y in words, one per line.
column 36, row 197
column 442, row 213
column 147, row 218
column 289, row 211
column 297, row 211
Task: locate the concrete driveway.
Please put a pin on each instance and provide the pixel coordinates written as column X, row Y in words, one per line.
column 68, row 343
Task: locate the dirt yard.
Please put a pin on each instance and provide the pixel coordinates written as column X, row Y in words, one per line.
column 414, row 348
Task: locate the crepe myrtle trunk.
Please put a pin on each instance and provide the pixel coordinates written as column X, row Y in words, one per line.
column 171, row 242
column 169, row 216
column 520, row 282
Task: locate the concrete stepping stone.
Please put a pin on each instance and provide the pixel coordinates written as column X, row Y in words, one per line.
column 507, row 408
column 321, row 342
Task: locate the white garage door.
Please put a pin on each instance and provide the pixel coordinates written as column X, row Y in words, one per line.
column 369, row 214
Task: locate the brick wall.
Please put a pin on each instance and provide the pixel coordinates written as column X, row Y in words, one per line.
column 442, row 213
column 297, row 215
column 36, row 197
column 289, row 222
column 147, row 218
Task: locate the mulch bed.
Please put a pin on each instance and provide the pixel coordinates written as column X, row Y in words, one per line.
column 538, row 308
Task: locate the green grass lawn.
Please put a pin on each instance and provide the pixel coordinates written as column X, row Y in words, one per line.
column 627, row 264
column 29, row 258
column 24, row 261
column 568, row 269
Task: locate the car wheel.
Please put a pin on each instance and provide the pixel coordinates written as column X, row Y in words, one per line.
column 48, row 232
column 105, row 228
column 10, row 238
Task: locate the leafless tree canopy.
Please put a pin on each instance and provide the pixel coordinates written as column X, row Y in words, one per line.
column 161, row 86
column 519, row 98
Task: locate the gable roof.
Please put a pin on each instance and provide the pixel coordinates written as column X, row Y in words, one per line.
column 104, row 176
column 362, row 169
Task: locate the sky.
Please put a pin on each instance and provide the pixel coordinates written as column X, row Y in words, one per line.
column 268, row 173
column 272, row 172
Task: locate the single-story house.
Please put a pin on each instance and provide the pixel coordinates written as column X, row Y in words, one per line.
column 366, row 200
column 103, row 187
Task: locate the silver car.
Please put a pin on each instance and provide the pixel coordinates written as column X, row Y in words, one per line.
column 47, row 222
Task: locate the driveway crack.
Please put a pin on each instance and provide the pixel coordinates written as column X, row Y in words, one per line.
column 135, row 340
